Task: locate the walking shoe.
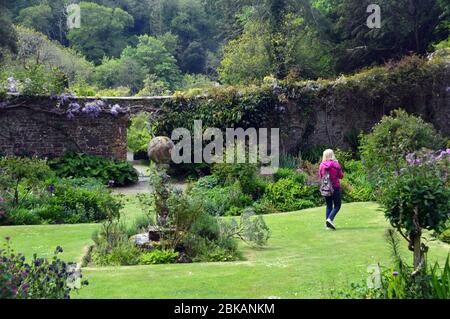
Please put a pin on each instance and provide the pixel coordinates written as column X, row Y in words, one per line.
column 330, row 224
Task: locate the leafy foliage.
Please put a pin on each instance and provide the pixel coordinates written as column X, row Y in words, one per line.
column 58, row 201
column 107, row 171
column 384, row 150
column 159, row 257
column 418, row 198
column 139, row 133
column 288, row 195
column 15, row 170
column 39, row 279
column 102, row 31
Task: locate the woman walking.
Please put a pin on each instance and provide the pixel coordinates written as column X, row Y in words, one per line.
column 330, row 172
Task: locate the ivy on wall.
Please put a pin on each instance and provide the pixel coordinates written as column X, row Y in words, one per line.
column 408, row 82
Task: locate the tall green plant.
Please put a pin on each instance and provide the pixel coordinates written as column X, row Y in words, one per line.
column 384, row 150
column 418, row 198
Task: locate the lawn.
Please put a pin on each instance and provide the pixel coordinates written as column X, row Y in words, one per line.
column 303, row 259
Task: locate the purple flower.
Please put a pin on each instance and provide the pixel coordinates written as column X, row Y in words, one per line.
column 116, row 110
column 395, row 273
column 74, row 108
column 24, row 273
column 92, row 109
column 66, row 97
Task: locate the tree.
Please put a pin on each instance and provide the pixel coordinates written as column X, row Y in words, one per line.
column 37, row 17
column 102, row 32
column 247, row 59
column 384, row 150
column 122, row 72
column 406, row 26
column 36, row 48
column 8, row 39
column 155, row 59
column 418, row 198
column 193, row 58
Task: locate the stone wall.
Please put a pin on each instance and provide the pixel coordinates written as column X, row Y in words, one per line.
column 330, row 114
column 337, row 122
column 33, row 128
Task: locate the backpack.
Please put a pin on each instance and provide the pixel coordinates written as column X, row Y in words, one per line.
column 326, row 187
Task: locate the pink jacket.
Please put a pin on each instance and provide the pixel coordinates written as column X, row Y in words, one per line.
column 335, row 172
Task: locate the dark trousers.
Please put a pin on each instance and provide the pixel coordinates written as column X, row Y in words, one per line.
column 333, row 204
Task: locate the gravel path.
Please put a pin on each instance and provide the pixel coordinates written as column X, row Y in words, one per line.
column 142, row 186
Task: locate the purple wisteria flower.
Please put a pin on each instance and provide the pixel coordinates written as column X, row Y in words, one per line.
column 92, row 109
column 117, row 109
column 74, row 108
column 100, row 103
column 66, row 97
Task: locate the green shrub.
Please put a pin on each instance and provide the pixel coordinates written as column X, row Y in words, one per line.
column 37, row 79
column 384, row 150
column 139, row 133
column 219, row 200
column 158, row 257
column 140, row 225
column 445, row 236
column 247, row 175
column 23, row 216
column 125, row 254
column 208, row 182
column 67, row 201
column 287, row 195
column 417, row 199
column 264, row 206
column 17, row 173
column 234, row 211
column 205, row 250
column 206, row 226
column 81, row 165
column 115, row 92
column 285, row 173
column 289, row 161
column 356, row 186
column 84, row 90
column 250, row 228
column 112, row 246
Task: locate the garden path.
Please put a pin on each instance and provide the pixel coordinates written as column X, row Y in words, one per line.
column 142, row 186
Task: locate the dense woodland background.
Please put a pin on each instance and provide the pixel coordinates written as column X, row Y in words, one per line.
column 155, row 47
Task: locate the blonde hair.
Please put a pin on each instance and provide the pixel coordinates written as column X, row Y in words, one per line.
column 328, row 155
